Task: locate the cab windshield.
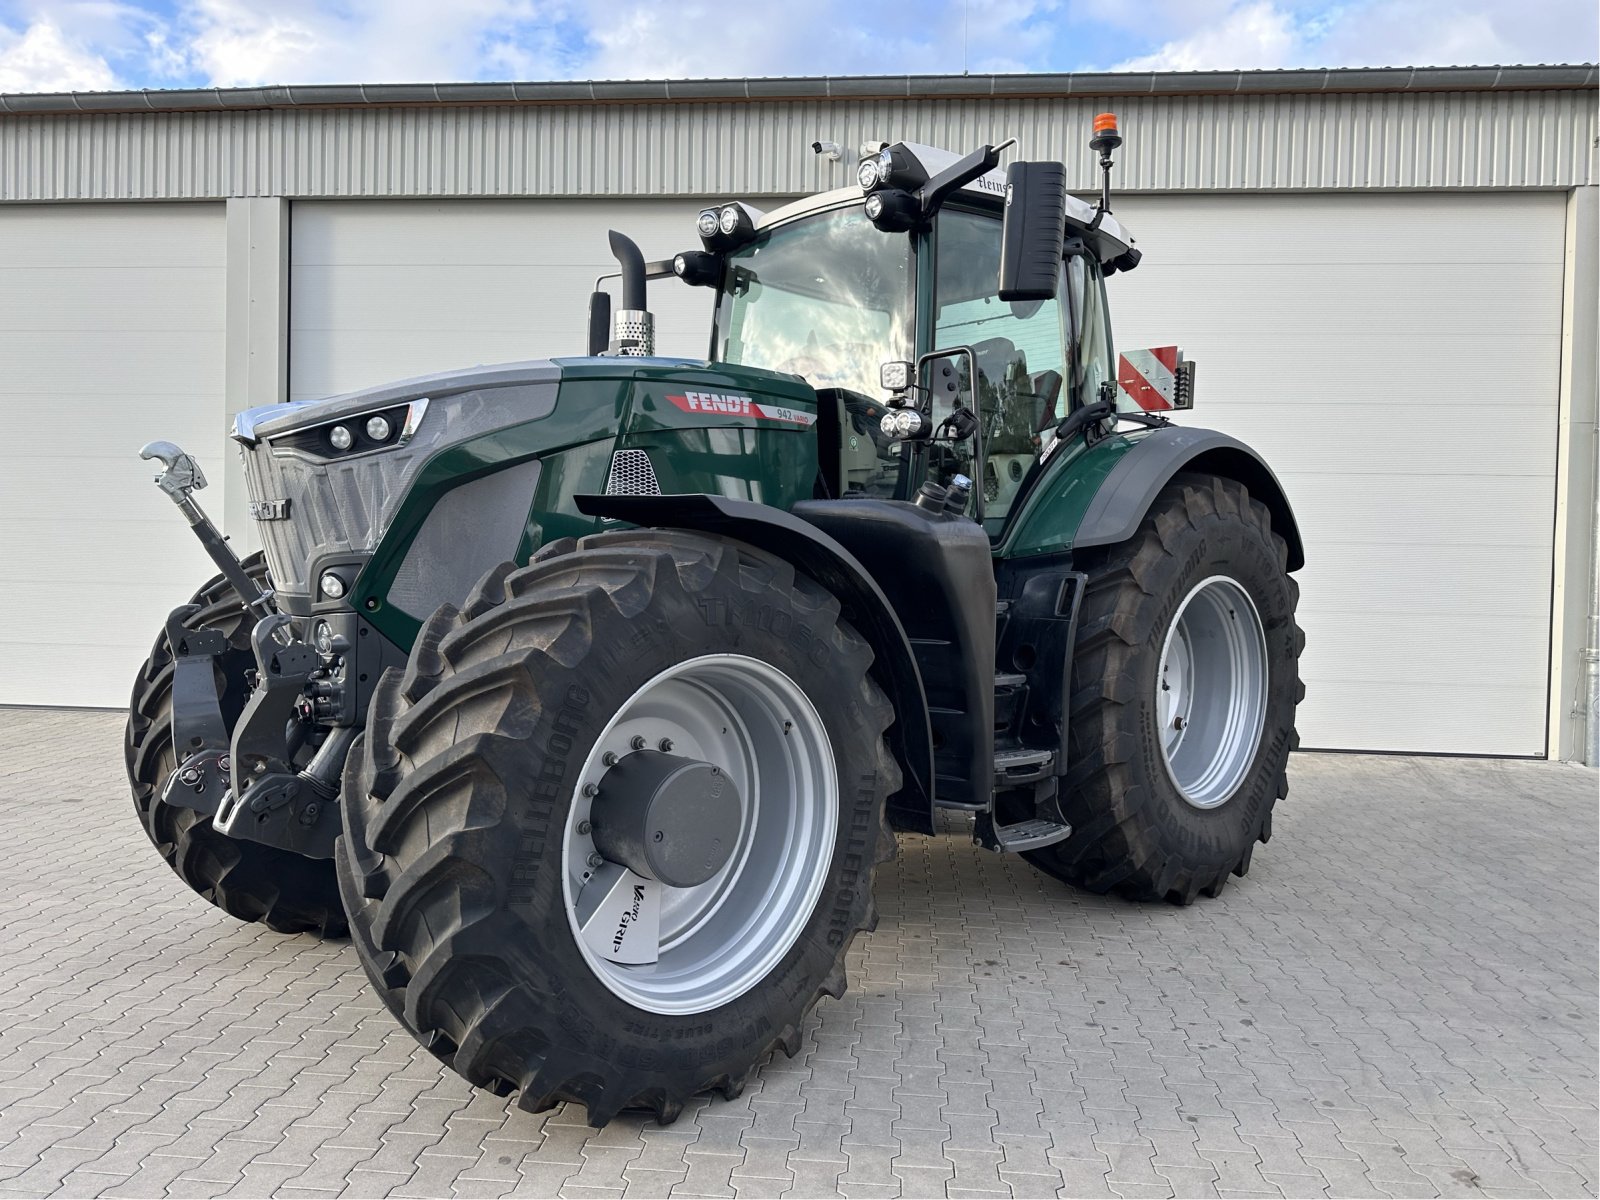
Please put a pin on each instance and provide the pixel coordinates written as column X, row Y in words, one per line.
column 828, row 298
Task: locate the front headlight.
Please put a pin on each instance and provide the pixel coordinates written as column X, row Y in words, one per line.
column 359, row 433
column 902, row 423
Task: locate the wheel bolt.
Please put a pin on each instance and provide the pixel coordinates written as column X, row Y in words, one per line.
column 608, row 759
column 596, row 861
column 638, row 742
column 666, row 745
column 589, row 789
column 584, row 827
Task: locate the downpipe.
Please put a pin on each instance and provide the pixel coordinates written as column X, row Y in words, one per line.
column 1592, row 652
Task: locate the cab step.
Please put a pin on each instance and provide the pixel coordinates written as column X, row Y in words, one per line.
column 1033, row 834
column 1020, row 765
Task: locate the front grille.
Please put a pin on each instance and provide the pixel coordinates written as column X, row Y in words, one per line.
column 334, row 507
column 632, row 475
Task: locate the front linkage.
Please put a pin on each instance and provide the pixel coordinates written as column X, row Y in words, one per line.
column 249, row 783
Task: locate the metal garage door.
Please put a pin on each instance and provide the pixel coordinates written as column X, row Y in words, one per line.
column 1396, row 358
column 386, row 289
column 111, row 334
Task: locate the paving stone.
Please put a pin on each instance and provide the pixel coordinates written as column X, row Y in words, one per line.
column 1302, row 1035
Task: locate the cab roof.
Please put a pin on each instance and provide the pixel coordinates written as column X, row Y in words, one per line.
column 1109, row 238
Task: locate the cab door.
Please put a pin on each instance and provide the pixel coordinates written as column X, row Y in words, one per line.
column 1021, row 353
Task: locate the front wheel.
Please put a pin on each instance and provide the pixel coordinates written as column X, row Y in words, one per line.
column 610, row 836
column 1184, row 686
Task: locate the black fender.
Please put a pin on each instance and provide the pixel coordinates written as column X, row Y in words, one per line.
column 865, row 606
column 1125, row 496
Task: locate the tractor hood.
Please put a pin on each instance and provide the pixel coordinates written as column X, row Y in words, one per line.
column 270, row 420
column 323, row 489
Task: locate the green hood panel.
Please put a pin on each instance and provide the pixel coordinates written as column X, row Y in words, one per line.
column 707, row 427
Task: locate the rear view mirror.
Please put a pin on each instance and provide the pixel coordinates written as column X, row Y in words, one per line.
column 1032, row 238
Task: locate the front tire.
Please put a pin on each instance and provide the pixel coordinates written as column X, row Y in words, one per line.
column 252, row 882
column 1184, row 686
column 466, row 813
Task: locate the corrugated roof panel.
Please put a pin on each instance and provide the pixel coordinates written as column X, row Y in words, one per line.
column 1271, row 141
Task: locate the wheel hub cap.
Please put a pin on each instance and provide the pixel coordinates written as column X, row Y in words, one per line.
column 672, row 819
column 1211, row 691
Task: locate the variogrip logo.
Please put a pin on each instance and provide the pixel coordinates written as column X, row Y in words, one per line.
column 729, row 405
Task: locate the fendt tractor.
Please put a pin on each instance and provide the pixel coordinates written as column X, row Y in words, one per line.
column 586, row 693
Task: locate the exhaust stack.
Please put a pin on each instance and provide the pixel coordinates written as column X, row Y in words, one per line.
column 633, row 328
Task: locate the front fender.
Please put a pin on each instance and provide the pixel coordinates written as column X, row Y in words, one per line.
column 893, row 668
column 1098, row 496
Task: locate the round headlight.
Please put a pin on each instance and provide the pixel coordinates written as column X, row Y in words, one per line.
column 323, row 638
column 341, row 438
column 707, row 224
column 902, row 423
column 332, row 586
column 875, row 205
column 378, row 429
column 867, row 174
column 679, row 264
column 728, row 221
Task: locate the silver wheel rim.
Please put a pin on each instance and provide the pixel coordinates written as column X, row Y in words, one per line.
column 717, row 940
column 1211, row 691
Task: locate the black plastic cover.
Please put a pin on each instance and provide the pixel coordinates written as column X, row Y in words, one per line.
column 1034, row 231
column 937, row 571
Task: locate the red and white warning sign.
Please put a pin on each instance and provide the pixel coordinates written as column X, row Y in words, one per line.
column 1150, row 377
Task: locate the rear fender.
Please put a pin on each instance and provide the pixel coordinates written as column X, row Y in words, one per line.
column 821, row 557
column 1097, row 496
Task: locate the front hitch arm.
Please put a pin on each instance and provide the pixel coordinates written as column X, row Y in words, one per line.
column 179, row 481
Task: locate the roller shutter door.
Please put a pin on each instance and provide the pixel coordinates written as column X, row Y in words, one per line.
column 111, row 335
column 387, row 289
column 1396, row 358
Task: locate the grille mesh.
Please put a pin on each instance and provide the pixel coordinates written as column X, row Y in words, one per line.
column 632, row 475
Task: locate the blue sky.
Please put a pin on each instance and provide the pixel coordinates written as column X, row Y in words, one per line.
column 56, row 45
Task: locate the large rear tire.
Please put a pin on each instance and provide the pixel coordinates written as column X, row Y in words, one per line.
column 468, row 844
column 247, row 880
column 1184, row 686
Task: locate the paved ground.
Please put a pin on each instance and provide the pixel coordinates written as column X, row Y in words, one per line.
column 1400, row 1000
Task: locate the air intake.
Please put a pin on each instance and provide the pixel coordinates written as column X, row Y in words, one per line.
column 632, row 475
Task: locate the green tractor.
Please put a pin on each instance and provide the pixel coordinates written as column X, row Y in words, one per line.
column 587, row 693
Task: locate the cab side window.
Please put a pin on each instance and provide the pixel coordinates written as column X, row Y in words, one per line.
column 1020, row 349
column 1092, row 362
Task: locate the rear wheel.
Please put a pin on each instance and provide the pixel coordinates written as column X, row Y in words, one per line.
column 609, row 837
column 1184, row 686
column 247, row 880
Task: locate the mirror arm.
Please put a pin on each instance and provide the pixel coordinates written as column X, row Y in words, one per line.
column 958, row 174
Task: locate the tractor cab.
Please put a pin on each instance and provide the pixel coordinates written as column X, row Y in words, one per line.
column 891, row 301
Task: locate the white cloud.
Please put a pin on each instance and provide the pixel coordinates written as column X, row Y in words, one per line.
column 1252, row 35
column 48, row 45
column 236, row 42
column 41, row 59
column 1245, row 34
